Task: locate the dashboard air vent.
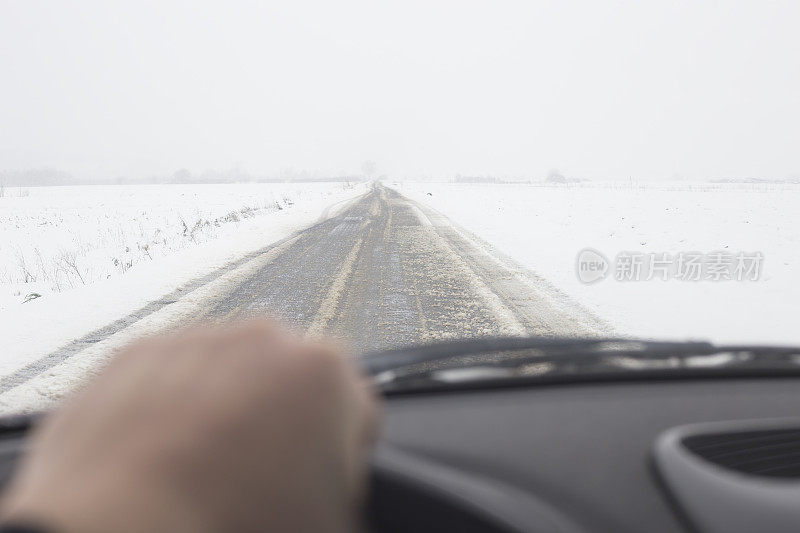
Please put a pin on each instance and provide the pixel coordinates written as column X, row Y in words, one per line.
column 769, row 452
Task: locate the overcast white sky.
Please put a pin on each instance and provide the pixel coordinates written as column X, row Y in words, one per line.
column 596, row 89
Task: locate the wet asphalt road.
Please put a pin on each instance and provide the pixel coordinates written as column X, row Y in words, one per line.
column 387, row 272
column 383, row 272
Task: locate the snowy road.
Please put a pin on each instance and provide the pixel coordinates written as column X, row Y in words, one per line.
column 386, row 272
column 379, row 271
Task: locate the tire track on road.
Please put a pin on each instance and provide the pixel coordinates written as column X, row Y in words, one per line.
column 331, row 301
column 537, row 306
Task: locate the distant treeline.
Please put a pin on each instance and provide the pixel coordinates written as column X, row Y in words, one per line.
column 50, row 177
column 552, row 177
column 756, row 180
column 486, row 179
column 35, row 178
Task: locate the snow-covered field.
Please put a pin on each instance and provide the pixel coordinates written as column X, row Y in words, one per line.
column 544, row 226
column 55, row 239
column 95, row 254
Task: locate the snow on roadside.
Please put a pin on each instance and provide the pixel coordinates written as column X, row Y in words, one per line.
column 544, row 226
column 54, row 239
column 35, row 328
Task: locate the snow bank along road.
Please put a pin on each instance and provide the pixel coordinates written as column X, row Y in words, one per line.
column 377, row 272
column 388, row 272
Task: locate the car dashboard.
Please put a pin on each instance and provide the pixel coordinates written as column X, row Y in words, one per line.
column 588, row 457
column 705, row 455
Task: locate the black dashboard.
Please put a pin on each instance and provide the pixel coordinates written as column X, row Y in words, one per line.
column 581, row 457
column 568, row 457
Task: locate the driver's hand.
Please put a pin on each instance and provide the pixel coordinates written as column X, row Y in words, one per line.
column 234, row 429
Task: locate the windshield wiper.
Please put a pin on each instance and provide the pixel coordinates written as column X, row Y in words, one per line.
column 504, row 358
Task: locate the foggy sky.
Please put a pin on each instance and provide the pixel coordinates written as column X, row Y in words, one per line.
column 595, row 89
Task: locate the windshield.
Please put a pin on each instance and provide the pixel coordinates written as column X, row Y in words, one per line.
column 393, row 175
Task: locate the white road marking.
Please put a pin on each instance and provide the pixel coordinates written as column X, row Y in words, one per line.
column 506, row 320
column 331, row 300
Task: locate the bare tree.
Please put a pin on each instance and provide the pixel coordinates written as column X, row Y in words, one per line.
column 554, row 176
